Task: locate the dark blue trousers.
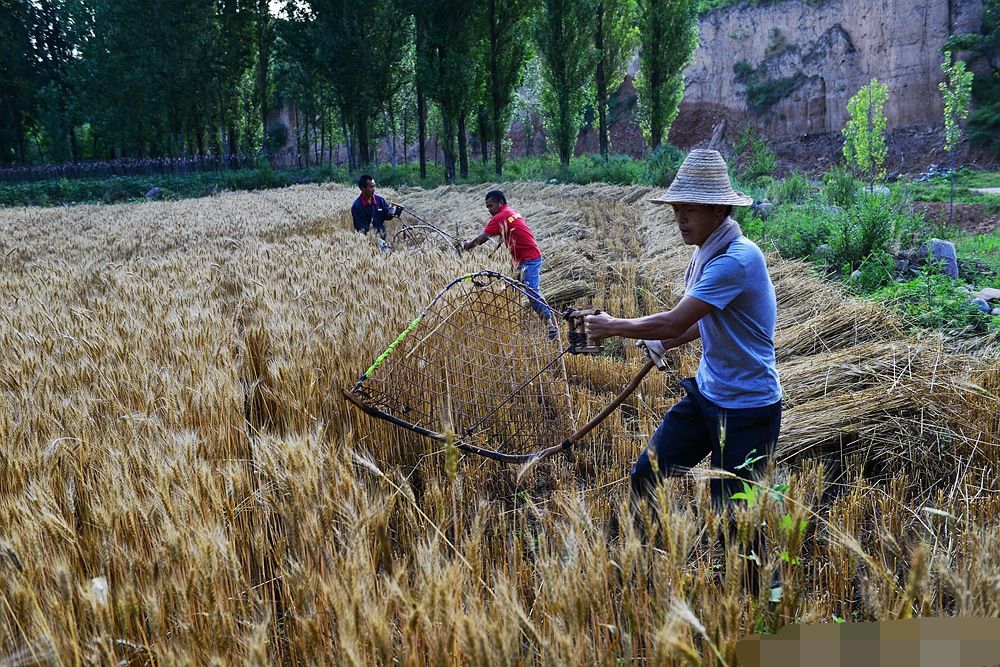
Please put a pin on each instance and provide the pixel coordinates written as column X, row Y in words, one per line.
column 694, row 428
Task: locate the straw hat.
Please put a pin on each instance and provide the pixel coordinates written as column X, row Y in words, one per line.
column 703, row 179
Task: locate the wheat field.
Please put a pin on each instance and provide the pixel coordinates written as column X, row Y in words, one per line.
column 182, row 483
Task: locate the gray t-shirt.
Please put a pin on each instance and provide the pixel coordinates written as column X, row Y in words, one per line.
column 737, row 367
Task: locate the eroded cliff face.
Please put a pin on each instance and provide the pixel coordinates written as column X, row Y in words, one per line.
column 792, row 67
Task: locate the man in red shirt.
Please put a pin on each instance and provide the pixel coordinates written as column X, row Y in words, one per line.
column 509, row 225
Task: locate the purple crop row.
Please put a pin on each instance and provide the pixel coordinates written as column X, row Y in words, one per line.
column 147, row 166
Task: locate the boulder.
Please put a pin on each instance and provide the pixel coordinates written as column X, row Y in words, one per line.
column 981, row 305
column 823, row 251
column 944, row 252
column 989, row 294
column 762, row 208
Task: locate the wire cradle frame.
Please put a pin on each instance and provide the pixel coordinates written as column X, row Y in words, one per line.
column 418, row 235
column 477, row 364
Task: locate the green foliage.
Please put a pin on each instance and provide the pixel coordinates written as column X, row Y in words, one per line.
column 840, row 188
column 796, row 189
column 874, row 272
column 669, row 35
column 979, row 258
column 934, row 301
column 449, row 30
column 763, row 92
column 956, row 92
column 566, row 50
column 130, row 188
column 795, row 231
column 983, row 49
column 20, row 80
column 874, row 223
column 615, row 38
column 662, row 165
column 942, row 189
column 753, row 159
column 862, row 236
column 506, row 49
column 864, row 133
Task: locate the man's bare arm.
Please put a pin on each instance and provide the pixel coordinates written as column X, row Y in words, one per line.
column 479, row 240
column 693, row 333
column 672, row 324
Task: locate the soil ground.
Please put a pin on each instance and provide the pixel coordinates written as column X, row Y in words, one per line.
column 972, row 218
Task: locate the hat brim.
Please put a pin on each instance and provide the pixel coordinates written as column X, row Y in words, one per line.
column 733, row 199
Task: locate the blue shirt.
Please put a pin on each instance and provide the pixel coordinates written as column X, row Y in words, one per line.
column 370, row 215
column 737, row 367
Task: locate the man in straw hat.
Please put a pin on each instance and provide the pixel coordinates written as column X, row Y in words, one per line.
column 733, row 405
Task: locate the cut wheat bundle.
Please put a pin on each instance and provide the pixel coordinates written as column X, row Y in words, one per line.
column 840, row 326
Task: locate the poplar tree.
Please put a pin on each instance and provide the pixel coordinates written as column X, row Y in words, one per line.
column 565, row 42
column 956, row 93
column 449, row 31
column 616, row 34
column 864, row 132
column 18, row 80
column 669, row 36
column 507, row 30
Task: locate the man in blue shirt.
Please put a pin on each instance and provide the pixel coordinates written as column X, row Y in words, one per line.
column 369, row 209
column 732, row 409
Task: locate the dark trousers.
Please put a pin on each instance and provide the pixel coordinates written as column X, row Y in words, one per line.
column 695, row 427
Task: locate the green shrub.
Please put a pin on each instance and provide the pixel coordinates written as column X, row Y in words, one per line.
column 762, row 94
column 662, row 165
column 795, row 231
column 875, row 272
column 255, row 179
column 934, row 301
column 875, row 223
column 796, row 189
column 840, row 188
column 753, row 159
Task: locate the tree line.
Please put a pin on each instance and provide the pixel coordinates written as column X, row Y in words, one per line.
column 112, row 79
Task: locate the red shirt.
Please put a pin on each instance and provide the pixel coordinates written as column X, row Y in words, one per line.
column 516, row 234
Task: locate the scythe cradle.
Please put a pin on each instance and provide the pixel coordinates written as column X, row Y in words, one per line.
column 481, row 297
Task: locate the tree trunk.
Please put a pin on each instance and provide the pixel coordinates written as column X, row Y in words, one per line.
column 484, row 145
column 390, row 138
column 601, row 79
column 364, row 150
column 263, row 63
column 74, row 145
column 449, row 148
column 495, row 106
column 463, row 148
column 565, row 129
column 406, row 138
column 347, row 141
column 422, row 131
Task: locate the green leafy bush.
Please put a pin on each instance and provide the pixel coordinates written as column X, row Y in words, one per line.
column 840, row 188
column 662, row 165
column 796, row 189
column 795, row 231
column 752, row 158
column 875, row 272
column 934, row 301
column 875, row 223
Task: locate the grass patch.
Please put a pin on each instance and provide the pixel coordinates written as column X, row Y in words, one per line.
column 935, row 301
column 938, row 189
